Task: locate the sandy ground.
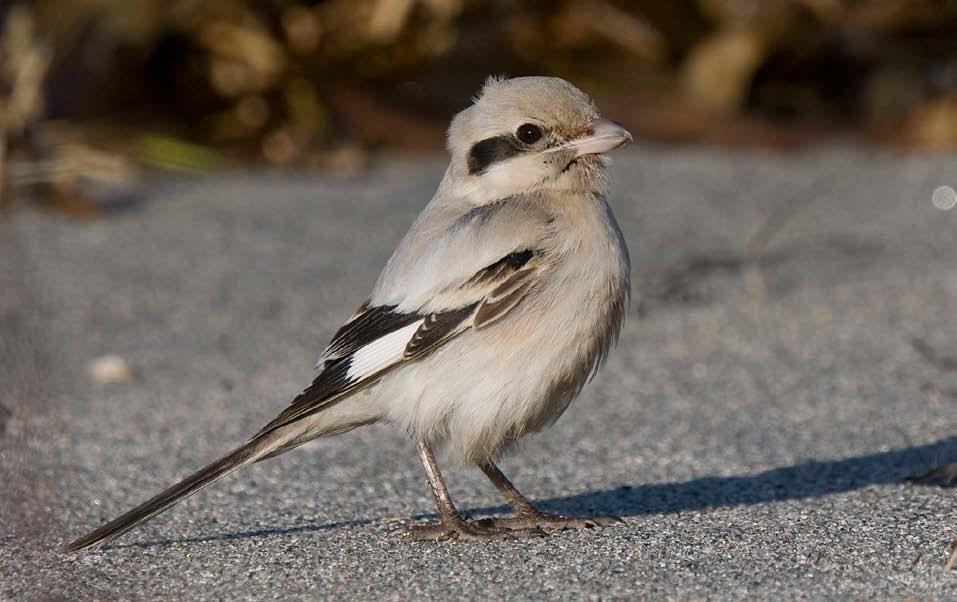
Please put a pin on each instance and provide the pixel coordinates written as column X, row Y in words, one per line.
column 790, row 357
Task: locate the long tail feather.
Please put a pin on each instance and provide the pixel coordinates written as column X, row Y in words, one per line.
column 247, row 454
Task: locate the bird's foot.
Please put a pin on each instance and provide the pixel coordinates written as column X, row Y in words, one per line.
column 463, row 530
column 549, row 522
column 945, row 476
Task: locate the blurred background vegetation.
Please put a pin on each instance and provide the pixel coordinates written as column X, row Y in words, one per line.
column 95, row 90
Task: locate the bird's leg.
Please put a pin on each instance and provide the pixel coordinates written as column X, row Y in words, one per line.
column 451, row 524
column 527, row 515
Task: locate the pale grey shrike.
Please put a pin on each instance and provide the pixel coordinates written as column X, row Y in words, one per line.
column 495, row 309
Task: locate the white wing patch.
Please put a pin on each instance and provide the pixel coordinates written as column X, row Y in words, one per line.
column 381, row 353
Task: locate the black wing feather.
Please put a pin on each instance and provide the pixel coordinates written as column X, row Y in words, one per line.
column 435, row 329
column 333, row 380
column 503, row 267
column 365, row 328
column 330, row 384
column 374, row 322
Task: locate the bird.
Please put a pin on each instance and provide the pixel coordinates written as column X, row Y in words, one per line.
column 498, row 305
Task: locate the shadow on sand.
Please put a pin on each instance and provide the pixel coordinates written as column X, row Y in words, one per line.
column 805, row 480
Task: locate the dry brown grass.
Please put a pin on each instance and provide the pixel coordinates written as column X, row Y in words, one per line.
column 195, row 85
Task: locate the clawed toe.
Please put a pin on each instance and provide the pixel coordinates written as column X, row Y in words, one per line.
column 467, row 531
column 528, row 521
column 549, row 522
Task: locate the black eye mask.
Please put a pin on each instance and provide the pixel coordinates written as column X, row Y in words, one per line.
column 485, row 153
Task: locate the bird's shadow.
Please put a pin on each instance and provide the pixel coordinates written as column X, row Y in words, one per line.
column 809, row 479
column 254, row 533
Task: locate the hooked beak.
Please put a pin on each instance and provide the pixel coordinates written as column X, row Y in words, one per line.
column 604, row 135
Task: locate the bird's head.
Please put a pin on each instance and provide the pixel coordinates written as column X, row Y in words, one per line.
column 530, row 133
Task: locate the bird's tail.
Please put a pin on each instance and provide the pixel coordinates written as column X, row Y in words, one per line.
column 251, row 452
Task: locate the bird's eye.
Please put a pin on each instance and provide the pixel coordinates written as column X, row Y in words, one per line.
column 529, row 133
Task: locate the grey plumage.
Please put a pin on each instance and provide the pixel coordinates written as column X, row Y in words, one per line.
column 494, row 310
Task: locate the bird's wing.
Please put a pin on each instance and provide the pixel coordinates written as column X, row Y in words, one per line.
column 489, row 266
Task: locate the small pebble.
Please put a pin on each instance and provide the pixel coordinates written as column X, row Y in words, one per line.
column 110, row 369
